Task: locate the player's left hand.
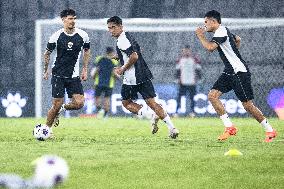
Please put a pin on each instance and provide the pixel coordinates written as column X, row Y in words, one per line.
column 200, row 32
column 84, row 74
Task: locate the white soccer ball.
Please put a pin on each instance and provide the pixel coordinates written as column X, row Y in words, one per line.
column 41, row 132
column 50, row 171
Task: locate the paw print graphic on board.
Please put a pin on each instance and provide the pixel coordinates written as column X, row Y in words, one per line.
column 13, row 104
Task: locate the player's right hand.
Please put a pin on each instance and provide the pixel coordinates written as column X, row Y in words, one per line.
column 200, row 31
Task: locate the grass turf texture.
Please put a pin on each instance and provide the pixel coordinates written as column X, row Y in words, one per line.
column 122, row 153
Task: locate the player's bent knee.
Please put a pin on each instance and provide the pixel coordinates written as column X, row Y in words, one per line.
column 78, row 101
column 157, row 108
column 80, row 104
column 151, row 102
column 56, row 105
column 248, row 105
column 125, row 103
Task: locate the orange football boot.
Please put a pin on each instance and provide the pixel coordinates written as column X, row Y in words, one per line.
column 229, row 131
column 270, row 136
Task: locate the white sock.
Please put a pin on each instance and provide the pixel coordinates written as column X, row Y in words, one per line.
column 154, row 118
column 267, row 127
column 141, row 112
column 50, row 129
column 169, row 123
column 226, row 120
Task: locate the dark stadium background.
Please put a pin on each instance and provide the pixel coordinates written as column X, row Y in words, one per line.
column 17, row 23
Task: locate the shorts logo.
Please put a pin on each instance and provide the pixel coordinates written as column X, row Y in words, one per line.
column 70, row 44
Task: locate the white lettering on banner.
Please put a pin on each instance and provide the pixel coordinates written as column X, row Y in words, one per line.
column 171, row 106
column 210, row 108
column 89, row 105
column 241, row 109
column 182, row 104
column 232, row 106
column 197, row 109
column 202, row 105
column 115, row 102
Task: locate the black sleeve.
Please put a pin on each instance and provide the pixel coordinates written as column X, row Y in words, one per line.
column 129, row 51
column 134, row 46
column 119, row 56
column 50, row 46
column 219, row 40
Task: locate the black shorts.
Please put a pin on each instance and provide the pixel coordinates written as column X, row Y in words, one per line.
column 130, row 92
column 240, row 83
column 72, row 86
column 99, row 90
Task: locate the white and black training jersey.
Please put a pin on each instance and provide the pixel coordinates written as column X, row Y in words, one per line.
column 68, row 48
column 139, row 72
column 228, row 51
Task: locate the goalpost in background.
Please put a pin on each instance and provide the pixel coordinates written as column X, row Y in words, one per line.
column 166, row 35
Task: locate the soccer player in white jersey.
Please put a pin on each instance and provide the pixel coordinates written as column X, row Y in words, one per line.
column 137, row 77
column 236, row 75
column 69, row 42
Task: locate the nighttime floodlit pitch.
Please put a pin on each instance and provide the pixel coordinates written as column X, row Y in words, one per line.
column 123, row 153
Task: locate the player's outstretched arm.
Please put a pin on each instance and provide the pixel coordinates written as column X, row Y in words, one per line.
column 86, row 60
column 46, row 62
column 210, row 46
column 131, row 61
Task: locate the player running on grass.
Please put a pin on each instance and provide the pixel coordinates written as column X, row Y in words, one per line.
column 236, row 75
column 69, row 42
column 137, row 77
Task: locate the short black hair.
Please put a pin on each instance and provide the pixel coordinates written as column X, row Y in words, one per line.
column 115, row 19
column 214, row 14
column 67, row 12
column 187, row 46
column 109, row 50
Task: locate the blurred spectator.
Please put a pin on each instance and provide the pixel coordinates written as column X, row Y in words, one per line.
column 104, row 82
column 188, row 73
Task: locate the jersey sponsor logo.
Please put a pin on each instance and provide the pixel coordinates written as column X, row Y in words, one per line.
column 70, row 45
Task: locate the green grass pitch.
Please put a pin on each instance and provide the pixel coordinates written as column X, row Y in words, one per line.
column 122, row 153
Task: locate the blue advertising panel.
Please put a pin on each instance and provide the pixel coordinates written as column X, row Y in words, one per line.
column 166, row 96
